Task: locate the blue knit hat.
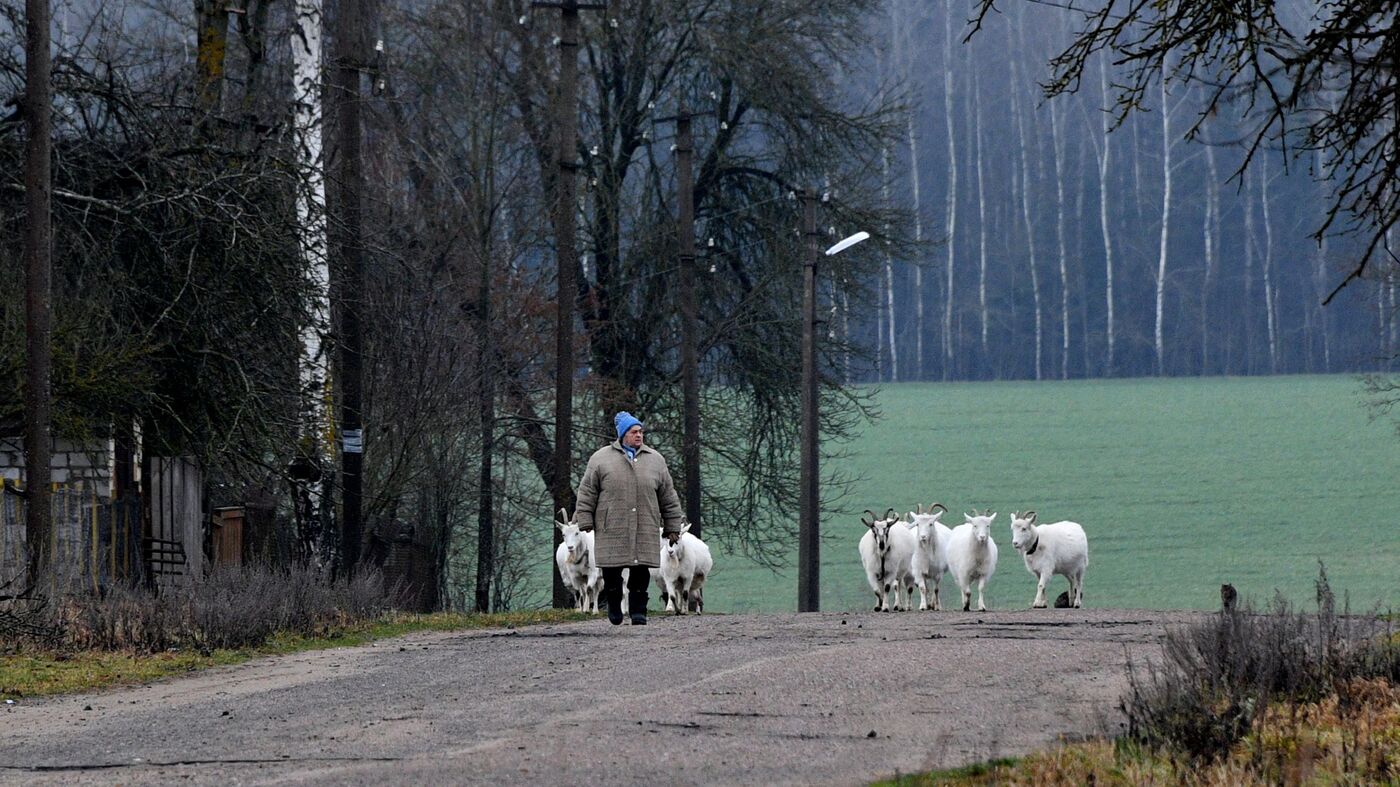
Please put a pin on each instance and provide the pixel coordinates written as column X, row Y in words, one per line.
column 624, row 421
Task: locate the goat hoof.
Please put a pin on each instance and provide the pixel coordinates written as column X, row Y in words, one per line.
column 1041, row 605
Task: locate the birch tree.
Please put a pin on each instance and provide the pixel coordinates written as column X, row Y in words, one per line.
column 1104, row 149
column 950, row 223
column 315, row 453
column 1210, row 230
column 1270, row 298
column 981, row 215
column 1057, row 153
column 916, row 193
column 1023, row 136
column 1161, row 278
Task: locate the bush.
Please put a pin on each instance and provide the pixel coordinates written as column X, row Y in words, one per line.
column 1216, row 679
column 231, row 607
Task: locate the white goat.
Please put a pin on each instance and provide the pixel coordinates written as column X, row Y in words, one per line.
column 578, row 564
column 1059, row 548
column 685, row 562
column 972, row 556
column 886, row 551
column 930, row 559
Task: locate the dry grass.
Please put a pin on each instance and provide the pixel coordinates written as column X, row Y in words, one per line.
column 1350, row 738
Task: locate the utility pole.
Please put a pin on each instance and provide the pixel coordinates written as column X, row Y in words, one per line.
column 565, row 195
column 808, row 533
column 690, row 363
column 349, row 60
column 38, row 284
column 485, row 514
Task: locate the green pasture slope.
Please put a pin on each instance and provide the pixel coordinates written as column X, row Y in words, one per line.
column 1181, row 484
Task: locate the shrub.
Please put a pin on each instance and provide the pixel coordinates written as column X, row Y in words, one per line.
column 1217, row 678
column 231, row 607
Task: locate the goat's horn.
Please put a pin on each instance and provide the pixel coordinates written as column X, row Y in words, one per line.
column 872, row 515
column 919, row 509
column 1028, row 515
column 937, row 505
column 564, row 515
column 890, row 514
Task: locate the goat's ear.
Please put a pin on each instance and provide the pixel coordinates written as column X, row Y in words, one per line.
column 911, row 517
column 890, row 514
column 991, row 517
column 685, row 527
column 1029, row 517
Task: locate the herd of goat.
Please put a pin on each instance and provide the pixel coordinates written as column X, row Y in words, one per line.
column 898, row 556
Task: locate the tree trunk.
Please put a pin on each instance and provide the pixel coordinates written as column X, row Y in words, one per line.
column 1024, row 136
column 211, row 50
column 1104, row 151
column 889, row 269
column 1269, row 295
column 1057, row 152
column 1247, row 312
column 981, row 218
column 1320, row 282
column 1208, row 232
column 38, row 285
column 919, row 371
column 315, row 455
column 950, row 223
column 1161, row 278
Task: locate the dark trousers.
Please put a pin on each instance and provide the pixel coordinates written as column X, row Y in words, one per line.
column 637, row 580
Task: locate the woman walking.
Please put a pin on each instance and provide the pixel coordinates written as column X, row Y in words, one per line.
column 627, row 494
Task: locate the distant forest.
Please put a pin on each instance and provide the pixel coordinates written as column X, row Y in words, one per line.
column 1055, row 245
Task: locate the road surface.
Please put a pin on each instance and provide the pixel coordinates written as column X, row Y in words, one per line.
column 826, row 698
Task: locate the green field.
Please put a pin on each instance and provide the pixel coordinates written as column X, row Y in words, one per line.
column 1181, row 484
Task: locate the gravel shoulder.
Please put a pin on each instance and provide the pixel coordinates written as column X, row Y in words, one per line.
column 827, row 698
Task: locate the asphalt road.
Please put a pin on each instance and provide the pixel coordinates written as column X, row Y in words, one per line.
column 746, row 699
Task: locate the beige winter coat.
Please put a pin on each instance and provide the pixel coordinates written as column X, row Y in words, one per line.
column 625, row 502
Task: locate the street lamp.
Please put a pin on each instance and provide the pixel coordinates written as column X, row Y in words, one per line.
column 808, row 534
column 848, row 242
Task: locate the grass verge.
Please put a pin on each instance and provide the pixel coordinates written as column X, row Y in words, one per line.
column 1352, row 737
column 36, row 673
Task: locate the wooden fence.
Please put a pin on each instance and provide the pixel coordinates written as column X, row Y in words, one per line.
column 94, row 541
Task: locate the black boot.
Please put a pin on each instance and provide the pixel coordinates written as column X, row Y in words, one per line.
column 612, row 593
column 637, row 605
